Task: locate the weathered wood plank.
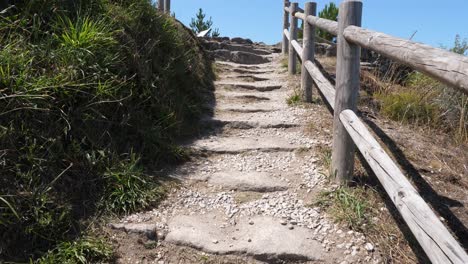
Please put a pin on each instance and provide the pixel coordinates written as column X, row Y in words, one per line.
column 287, row 9
column 325, row 24
column 286, row 33
column 322, row 83
column 292, row 36
column 308, row 52
column 167, row 7
column 285, row 45
column 297, row 48
column 347, row 91
column 433, row 236
column 161, row 5
column 445, row 66
column 300, row 15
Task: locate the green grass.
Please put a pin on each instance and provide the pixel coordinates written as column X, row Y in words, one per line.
column 94, row 95
column 285, row 62
column 409, row 107
column 349, row 205
column 325, row 155
column 294, row 99
column 82, row 251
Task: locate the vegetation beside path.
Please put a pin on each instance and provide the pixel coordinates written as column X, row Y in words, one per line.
column 93, row 95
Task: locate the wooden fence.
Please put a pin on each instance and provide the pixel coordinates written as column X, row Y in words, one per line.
column 349, row 131
column 164, row 6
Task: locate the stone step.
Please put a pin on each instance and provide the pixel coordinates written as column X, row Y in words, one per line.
column 240, row 57
column 250, row 120
column 263, row 238
column 244, row 106
column 251, row 87
column 235, row 145
column 248, row 124
column 244, row 181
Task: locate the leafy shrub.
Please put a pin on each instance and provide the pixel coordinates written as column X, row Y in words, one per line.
column 93, row 93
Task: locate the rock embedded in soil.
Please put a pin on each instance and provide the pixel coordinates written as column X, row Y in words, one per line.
column 246, row 181
column 260, row 241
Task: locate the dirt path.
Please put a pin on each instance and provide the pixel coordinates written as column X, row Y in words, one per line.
column 249, row 194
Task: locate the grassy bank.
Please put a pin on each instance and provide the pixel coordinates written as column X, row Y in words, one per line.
column 93, row 95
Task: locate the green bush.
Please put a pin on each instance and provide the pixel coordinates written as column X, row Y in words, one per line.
column 93, row 94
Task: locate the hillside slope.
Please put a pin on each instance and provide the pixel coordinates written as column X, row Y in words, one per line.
column 93, row 95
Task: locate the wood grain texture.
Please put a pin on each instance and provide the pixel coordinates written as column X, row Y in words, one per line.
column 167, row 7
column 297, row 48
column 292, row 62
column 325, row 24
column 432, row 235
column 285, row 45
column 322, row 83
column 308, row 52
column 161, row 5
column 286, row 34
column 300, row 15
column 445, row 66
column 347, row 90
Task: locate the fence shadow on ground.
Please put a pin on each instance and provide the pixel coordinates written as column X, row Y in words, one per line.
column 439, row 203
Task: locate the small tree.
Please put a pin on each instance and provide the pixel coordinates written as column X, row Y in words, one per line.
column 461, row 46
column 199, row 24
column 330, row 12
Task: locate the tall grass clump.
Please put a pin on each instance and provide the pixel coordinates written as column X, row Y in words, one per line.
column 93, row 95
column 422, row 100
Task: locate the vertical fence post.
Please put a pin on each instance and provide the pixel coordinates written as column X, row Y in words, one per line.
column 308, row 53
column 161, row 5
column 285, row 45
column 167, row 7
column 347, row 89
column 292, row 36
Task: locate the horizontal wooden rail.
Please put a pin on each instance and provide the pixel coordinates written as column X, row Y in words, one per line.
column 425, row 225
column 286, row 33
column 445, row 66
column 300, row 15
column 325, row 24
column 322, row 83
column 299, row 10
column 297, row 48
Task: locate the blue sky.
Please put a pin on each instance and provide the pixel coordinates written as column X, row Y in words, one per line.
column 437, row 22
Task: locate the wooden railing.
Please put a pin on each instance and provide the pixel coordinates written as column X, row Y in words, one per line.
column 164, row 6
column 349, row 131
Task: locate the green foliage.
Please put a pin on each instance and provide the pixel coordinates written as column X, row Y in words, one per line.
column 460, row 46
column 348, row 205
column 294, row 99
column 128, row 188
column 199, row 24
column 452, row 104
column 426, row 101
column 83, row 84
column 330, row 12
column 82, row 251
column 409, row 107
